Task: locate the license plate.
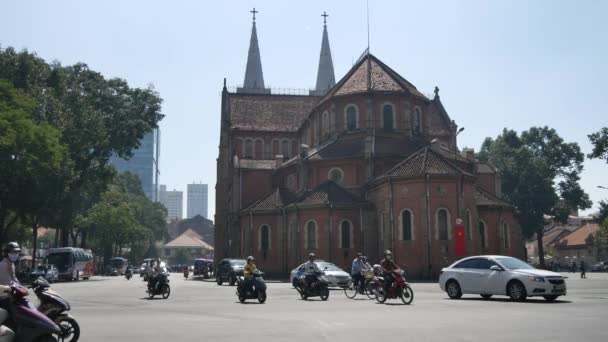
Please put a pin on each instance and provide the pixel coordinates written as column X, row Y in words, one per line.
column 559, row 288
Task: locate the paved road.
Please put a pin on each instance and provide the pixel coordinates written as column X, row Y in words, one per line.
column 114, row 309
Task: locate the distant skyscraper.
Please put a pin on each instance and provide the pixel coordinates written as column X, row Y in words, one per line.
column 144, row 164
column 173, row 201
column 197, row 200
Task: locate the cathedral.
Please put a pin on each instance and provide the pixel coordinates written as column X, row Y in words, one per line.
column 364, row 164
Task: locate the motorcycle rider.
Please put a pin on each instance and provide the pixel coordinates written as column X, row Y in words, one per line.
column 357, row 267
column 388, row 265
column 310, row 270
column 6, row 334
column 156, row 270
column 10, row 254
column 248, row 273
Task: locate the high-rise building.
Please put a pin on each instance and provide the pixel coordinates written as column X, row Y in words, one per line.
column 143, row 163
column 173, row 201
column 197, row 200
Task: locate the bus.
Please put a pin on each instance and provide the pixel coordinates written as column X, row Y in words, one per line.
column 71, row 263
column 118, row 265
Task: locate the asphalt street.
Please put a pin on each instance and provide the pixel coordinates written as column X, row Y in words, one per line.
column 114, row 309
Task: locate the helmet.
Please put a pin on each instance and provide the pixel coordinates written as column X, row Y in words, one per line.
column 11, row 247
column 250, row 258
column 359, row 254
column 311, row 255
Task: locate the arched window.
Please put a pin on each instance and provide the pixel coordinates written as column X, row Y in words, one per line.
column 258, row 152
column 467, row 225
column 285, row 149
column 388, row 117
column 406, row 225
column 345, row 238
column 291, row 182
column 264, row 238
column 311, row 235
column 336, row 174
column 483, row 234
column 248, row 149
column 275, row 148
column 506, row 235
column 442, row 224
column 325, row 123
column 417, row 120
column 351, row 117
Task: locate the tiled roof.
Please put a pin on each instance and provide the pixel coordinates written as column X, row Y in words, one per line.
column 279, row 198
column 370, row 74
column 283, row 113
column 486, row 199
column 554, row 235
column 189, row 239
column 424, row 161
column 579, row 237
column 329, row 192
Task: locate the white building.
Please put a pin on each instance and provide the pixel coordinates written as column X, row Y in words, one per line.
column 197, row 200
column 173, row 201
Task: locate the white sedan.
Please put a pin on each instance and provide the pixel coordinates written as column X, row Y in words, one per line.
column 489, row 275
column 334, row 274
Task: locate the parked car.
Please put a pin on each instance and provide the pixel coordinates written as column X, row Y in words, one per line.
column 336, row 277
column 228, row 270
column 489, row 275
column 203, row 268
column 48, row 272
column 601, row 266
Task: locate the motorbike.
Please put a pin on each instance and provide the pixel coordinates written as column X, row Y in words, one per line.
column 255, row 290
column 400, row 288
column 128, row 274
column 186, row 273
column 161, row 286
column 28, row 324
column 318, row 288
column 55, row 307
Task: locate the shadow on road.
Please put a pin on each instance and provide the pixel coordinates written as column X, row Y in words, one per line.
column 507, row 300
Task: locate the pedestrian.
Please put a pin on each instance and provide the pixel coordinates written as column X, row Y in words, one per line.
column 573, row 267
column 583, row 269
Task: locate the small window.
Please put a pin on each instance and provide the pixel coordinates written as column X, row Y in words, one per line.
column 388, row 117
column 482, row 234
column 291, row 182
column 406, row 222
column 325, row 123
column 506, row 237
column 351, row 117
column 285, row 149
column 442, row 224
column 485, row 264
column 264, row 238
column 417, row 120
column 248, row 149
column 311, row 235
column 336, row 175
column 345, row 230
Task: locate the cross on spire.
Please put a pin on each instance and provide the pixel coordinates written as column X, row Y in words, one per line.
column 254, row 12
column 325, row 15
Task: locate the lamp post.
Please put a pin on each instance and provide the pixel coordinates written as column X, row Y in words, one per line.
column 602, row 187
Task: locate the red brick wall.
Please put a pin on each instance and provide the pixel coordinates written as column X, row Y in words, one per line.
column 256, row 184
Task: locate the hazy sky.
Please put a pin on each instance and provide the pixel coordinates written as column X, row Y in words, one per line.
column 498, row 64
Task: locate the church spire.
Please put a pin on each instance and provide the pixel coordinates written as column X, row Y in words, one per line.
column 254, row 78
column 325, row 75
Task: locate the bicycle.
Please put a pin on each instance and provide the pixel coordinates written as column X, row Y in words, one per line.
column 368, row 287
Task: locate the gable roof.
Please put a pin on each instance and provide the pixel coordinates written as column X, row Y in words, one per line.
column 554, row 235
column 259, row 112
column 189, row 239
column 486, row 199
column 370, row 74
column 329, row 192
column 579, row 237
column 424, row 161
column 279, row 198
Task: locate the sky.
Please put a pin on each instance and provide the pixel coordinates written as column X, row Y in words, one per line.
column 498, row 64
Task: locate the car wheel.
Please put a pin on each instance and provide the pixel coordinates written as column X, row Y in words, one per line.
column 516, row 291
column 486, row 296
column 550, row 298
column 453, row 290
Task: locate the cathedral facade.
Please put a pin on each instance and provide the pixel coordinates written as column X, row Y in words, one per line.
column 364, row 164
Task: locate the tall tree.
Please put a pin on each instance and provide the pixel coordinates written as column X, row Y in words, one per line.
column 97, row 118
column 599, row 140
column 530, row 164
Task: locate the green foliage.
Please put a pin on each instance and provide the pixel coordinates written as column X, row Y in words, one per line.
column 599, row 140
column 601, row 239
column 31, row 158
column 530, row 164
column 96, row 118
column 603, row 214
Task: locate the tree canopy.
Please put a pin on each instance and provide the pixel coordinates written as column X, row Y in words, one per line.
column 599, row 140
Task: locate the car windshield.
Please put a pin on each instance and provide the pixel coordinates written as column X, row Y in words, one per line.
column 238, row 262
column 513, row 264
column 330, row 267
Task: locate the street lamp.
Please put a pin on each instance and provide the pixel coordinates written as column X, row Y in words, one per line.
column 602, row 187
column 460, row 131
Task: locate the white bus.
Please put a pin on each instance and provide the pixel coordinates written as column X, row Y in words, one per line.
column 71, row 263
